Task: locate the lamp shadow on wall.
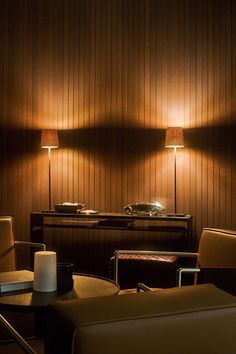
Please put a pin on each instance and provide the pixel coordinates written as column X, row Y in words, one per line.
column 133, row 142
column 16, row 144
column 211, row 139
column 114, row 140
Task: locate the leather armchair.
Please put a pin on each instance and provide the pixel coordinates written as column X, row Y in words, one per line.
column 217, row 249
column 191, row 319
column 8, row 244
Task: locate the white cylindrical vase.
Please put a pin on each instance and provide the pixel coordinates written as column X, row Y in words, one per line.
column 45, row 271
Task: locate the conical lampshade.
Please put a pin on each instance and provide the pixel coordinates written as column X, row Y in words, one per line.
column 49, row 138
column 174, row 137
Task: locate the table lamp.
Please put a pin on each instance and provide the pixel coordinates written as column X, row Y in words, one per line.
column 174, row 139
column 49, row 140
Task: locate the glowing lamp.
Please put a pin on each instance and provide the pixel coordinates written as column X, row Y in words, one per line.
column 174, row 139
column 49, row 140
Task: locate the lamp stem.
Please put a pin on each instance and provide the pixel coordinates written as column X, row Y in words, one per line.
column 49, row 178
column 175, row 199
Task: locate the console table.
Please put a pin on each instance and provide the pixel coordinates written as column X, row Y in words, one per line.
column 113, row 221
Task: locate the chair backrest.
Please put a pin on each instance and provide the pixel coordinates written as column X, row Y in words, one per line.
column 7, row 246
column 217, row 249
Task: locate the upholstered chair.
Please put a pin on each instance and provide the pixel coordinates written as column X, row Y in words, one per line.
column 8, row 245
column 216, row 252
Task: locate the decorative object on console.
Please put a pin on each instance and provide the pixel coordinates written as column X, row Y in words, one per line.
column 45, row 271
column 87, row 211
column 68, row 207
column 174, row 139
column 153, row 208
column 49, row 140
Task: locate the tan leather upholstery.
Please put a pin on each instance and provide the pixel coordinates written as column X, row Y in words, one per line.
column 21, row 322
column 217, row 249
column 7, row 248
column 188, row 320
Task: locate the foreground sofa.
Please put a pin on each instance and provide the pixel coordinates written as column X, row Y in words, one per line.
column 187, row 320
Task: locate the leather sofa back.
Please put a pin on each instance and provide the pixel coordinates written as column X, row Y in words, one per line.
column 189, row 320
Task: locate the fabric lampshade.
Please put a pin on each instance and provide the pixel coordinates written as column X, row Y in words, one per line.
column 49, row 138
column 174, row 137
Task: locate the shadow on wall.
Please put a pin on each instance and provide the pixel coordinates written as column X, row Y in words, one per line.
column 117, row 140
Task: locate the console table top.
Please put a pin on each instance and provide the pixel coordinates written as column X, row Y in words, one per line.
column 109, row 215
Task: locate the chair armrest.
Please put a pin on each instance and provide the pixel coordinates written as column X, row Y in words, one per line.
column 184, row 271
column 157, row 253
column 31, row 244
column 20, row 341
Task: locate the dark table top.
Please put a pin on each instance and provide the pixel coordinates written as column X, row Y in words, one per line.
column 120, row 216
column 84, row 286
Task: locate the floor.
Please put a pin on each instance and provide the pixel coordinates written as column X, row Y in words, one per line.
column 23, row 323
column 13, row 348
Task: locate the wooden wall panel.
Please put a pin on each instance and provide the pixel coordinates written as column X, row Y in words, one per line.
column 111, row 75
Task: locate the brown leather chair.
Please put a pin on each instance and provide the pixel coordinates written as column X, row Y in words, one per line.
column 21, row 322
column 217, row 250
column 8, row 244
column 190, row 319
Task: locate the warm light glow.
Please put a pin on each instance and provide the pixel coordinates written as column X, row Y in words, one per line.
column 49, row 138
column 174, row 137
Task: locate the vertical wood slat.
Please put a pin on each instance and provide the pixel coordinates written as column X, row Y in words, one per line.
column 93, row 68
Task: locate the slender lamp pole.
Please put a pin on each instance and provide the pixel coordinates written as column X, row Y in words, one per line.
column 174, row 139
column 49, row 140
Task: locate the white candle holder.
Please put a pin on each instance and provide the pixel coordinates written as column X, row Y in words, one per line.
column 45, row 271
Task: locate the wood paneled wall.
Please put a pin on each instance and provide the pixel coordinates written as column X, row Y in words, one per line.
column 111, row 75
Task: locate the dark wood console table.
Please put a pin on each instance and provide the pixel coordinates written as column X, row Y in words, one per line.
column 113, row 221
